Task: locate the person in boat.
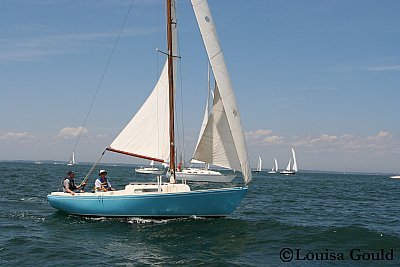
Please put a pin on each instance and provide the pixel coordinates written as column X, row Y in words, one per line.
column 179, row 166
column 102, row 184
column 69, row 184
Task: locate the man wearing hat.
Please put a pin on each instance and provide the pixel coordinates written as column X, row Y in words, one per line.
column 69, row 183
column 102, row 184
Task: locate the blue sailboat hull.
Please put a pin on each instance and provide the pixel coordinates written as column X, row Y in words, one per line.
column 204, row 203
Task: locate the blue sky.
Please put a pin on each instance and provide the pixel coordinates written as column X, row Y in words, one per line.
column 320, row 76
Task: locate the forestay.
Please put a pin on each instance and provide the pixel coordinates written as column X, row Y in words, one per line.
column 232, row 152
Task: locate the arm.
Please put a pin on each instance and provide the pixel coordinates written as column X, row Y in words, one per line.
column 82, row 185
column 66, row 186
column 110, row 187
column 98, row 186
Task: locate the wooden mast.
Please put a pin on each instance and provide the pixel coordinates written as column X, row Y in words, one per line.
column 171, row 92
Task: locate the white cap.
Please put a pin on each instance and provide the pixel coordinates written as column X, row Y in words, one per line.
column 102, row 171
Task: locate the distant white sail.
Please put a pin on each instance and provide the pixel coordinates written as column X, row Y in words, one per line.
column 216, row 145
column 276, row 165
column 205, row 117
column 72, row 160
column 259, row 164
column 288, row 168
column 232, row 155
column 294, row 161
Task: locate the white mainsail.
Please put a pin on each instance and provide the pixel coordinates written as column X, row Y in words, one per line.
column 147, row 134
column 224, row 129
column 294, row 161
column 259, row 164
column 72, row 160
column 276, row 165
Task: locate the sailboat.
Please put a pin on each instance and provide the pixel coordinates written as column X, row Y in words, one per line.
column 72, row 160
column 291, row 168
column 150, row 169
column 274, row 167
column 143, row 138
column 258, row 165
column 395, row 176
column 204, row 174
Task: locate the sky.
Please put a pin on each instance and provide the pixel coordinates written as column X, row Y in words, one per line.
column 322, row 77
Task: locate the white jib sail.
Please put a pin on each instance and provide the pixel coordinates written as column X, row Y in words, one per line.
column 205, row 118
column 221, row 74
column 216, row 145
column 294, row 161
column 147, row 134
column 288, row 166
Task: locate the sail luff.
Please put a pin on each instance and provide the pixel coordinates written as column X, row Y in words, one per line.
column 221, row 74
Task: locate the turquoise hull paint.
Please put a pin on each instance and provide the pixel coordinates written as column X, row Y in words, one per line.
column 204, row 203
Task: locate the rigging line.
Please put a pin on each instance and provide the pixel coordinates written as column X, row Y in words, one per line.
column 90, row 171
column 181, row 94
column 103, row 75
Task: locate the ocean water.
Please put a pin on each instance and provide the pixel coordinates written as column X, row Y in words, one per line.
column 322, row 218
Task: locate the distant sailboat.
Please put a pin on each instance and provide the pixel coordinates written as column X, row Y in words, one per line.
column 395, row 177
column 258, row 165
column 72, row 160
column 291, row 169
column 150, row 170
column 274, row 167
column 205, row 174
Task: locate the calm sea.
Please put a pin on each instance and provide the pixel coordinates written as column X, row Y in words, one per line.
column 321, row 218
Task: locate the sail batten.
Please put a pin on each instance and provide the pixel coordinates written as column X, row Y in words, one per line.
column 230, row 119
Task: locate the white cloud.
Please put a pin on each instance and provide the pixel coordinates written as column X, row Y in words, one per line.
column 324, row 138
column 70, row 132
column 274, row 139
column 385, row 68
column 263, row 137
column 384, row 134
column 380, row 136
column 16, row 136
column 259, row 133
